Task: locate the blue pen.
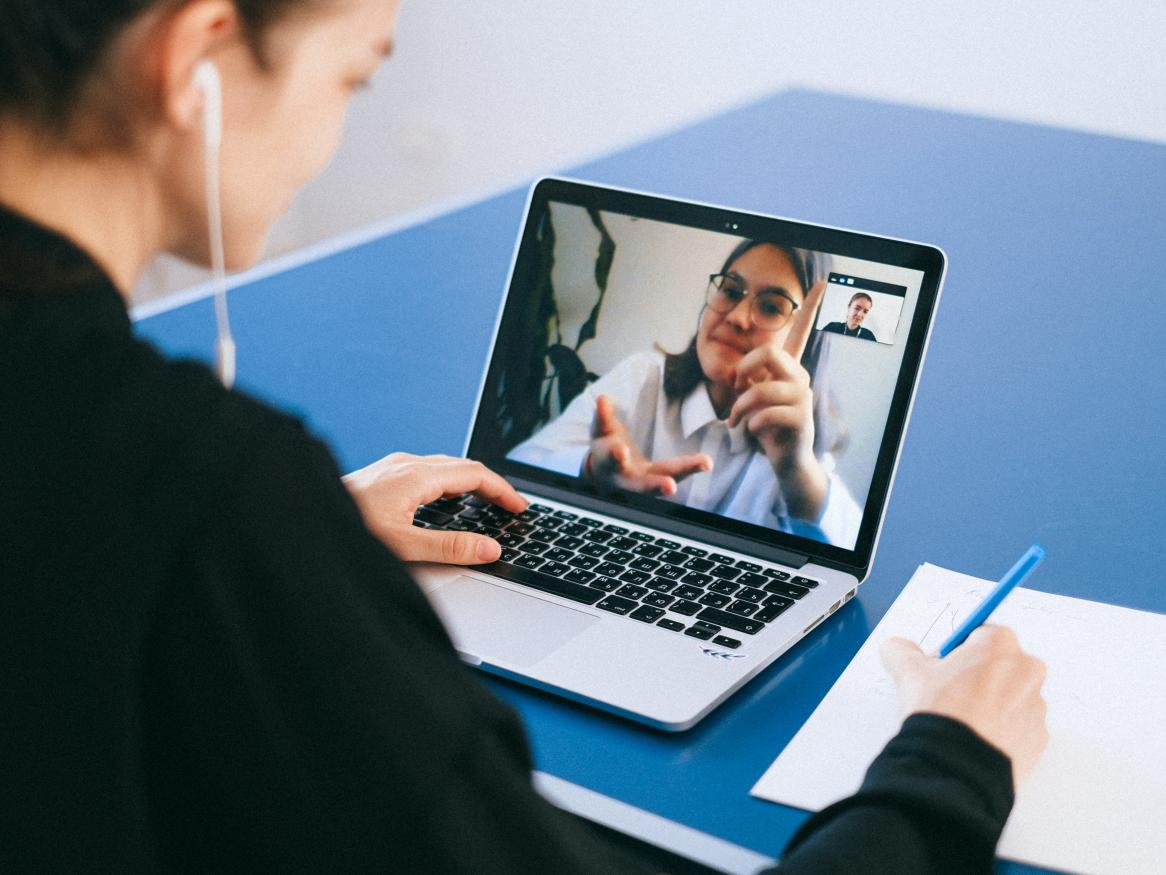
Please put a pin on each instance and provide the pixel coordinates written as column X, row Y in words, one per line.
column 1016, row 575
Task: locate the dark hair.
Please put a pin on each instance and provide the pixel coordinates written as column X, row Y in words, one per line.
column 682, row 371
column 860, row 295
column 49, row 49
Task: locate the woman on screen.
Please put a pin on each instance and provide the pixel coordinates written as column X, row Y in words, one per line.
column 726, row 426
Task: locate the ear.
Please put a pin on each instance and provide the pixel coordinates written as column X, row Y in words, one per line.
column 193, row 32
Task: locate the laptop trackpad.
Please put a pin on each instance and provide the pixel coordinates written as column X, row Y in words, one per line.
column 500, row 625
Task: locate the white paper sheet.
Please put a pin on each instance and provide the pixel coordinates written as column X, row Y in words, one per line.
column 1097, row 799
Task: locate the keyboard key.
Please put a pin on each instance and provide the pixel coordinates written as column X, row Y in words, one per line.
column 721, row 558
column 607, row 584
column 598, row 536
column 506, row 539
column 622, row 543
column 647, row 614
column 751, row 579
column 702, row 634
column 629, row 591
column 583, row 562
column 724, row 572
column 768, row 613
column 684, row 608
column 569, row 542
column 749, row 594
column 472, row 514
column 457, row 525
column 544, row 535
column 540, row 508
column 611, row 569
column 672, row 572
column 724, row 587
column 433, row 517
column 617, row 605
column 668, row 545
column 623, row 557
column 649, row 550
column 579, row 575
column 590, row 522
column 595, row 550
column 566, row 515
column 658, row 600
column 529, row 515
column 529, row 561
column 751, row 567
column 642, row 536
column 642, row 564
column 670, row 625
column 715, row 599
column 684, row 591
column 791, row 590
column 745, row 609
column 619, row 530
column 544, row 582
column 726, row 641
column 695, row 578
column 698, row 564
column 778, row 600
column 489, row 531
column 808, row 582
column 556, row 569
column 731, row 621
column 520, row 528
column 474, row 501
column 659, row 584
column 694, row 551
column 775, row 574
column 509, row 555
column 556, row 554
column 534, row 548
column 574, row 529
column 550, row 522
column 673, row 557
column 633, row 576
column 421, row 525
column 712, row 627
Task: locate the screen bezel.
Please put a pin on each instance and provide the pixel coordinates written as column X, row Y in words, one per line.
column 666, row 515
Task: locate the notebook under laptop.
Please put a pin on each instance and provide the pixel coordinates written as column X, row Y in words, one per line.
column 720, row 505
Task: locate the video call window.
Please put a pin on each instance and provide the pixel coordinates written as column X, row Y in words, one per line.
column 864, row 309
column 636, row 312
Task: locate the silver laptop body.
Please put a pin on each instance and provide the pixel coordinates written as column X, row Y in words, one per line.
column 628, row 642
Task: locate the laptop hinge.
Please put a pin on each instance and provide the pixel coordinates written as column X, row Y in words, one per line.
column 728, row 541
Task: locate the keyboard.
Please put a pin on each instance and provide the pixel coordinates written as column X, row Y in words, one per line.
column 679, row 588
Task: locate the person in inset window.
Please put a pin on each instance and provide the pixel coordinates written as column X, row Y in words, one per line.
column 856, row 312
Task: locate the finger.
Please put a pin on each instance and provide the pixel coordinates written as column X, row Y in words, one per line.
column 650, row 484
column 768, row 394
column 902, row 659
column 452, row 548
column 680, row 467
column 766, row 363
column 606, row 420
column 450, row 476
column 803, row 324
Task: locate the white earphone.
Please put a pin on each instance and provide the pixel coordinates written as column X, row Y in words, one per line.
column 206, row 77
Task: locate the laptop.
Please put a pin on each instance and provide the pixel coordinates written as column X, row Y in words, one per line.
column 705, row 408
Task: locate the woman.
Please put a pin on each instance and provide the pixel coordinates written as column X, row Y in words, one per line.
column 209, row 661
column 726, row 426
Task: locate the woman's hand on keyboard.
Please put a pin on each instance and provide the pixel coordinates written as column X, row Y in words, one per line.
column 388, row 493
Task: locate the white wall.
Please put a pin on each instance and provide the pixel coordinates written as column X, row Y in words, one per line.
column 484, row 95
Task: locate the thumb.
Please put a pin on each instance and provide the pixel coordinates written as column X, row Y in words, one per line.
column 452, row 548
column 902, row 659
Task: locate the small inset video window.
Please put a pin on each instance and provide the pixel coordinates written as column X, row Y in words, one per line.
column 861, row 308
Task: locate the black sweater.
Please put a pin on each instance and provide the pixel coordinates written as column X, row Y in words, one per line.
column 207, row 662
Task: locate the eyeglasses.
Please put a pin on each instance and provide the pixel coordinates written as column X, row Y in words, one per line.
column 769, row 310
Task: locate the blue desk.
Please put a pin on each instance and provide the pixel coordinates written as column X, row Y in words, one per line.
column 1039, row 417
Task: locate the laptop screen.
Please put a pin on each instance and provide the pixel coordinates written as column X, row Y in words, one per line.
column 740, row 373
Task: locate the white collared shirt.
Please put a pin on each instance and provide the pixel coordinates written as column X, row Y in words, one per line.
column 742, row 484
